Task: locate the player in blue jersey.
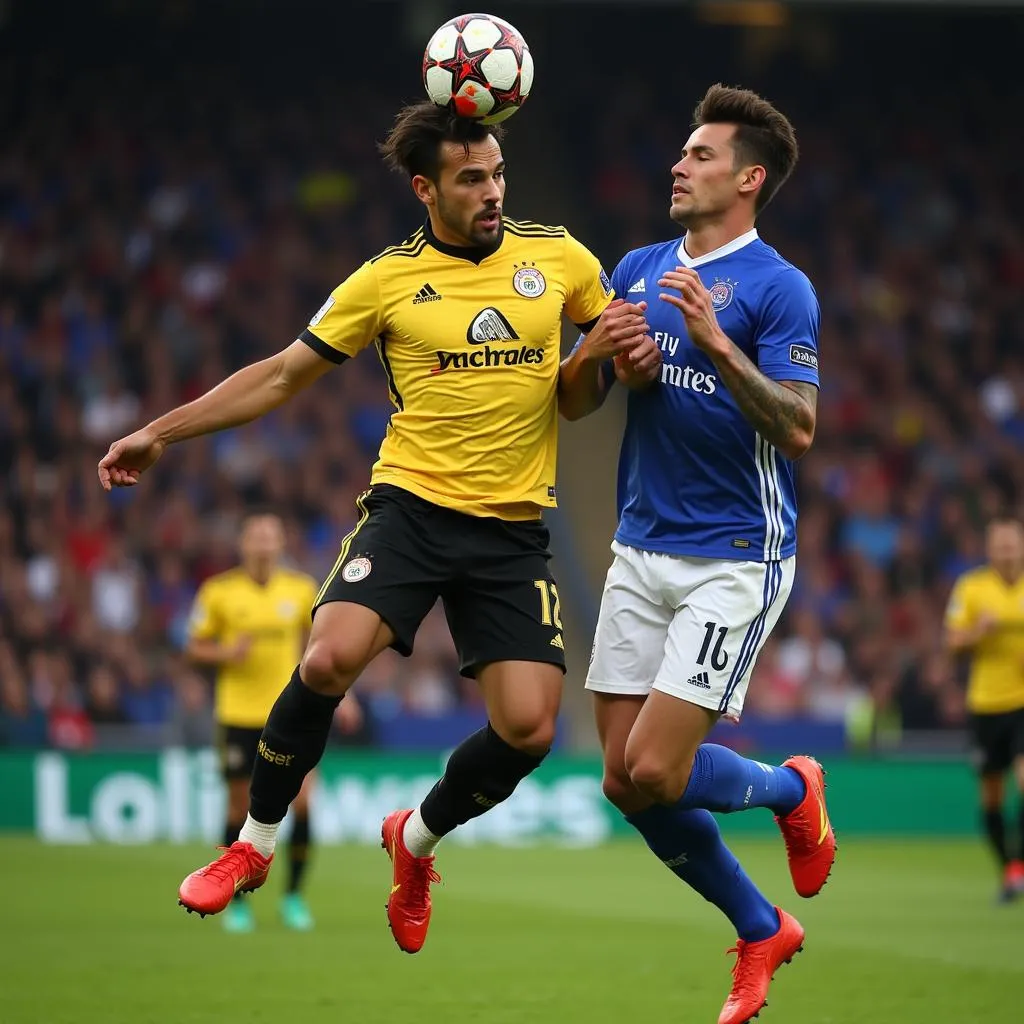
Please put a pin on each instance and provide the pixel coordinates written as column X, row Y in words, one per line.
column 704, row 550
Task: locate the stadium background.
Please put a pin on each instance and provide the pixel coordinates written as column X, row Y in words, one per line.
column 181, row 183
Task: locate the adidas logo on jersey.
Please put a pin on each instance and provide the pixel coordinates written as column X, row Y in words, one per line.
column 490, row 324
column 637, row 286
column 701, row 680
column 425, row 294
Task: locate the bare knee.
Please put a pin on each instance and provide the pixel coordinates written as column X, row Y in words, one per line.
column 657, row 779
column 530, row 733
column 620, row 792
column 331, row 665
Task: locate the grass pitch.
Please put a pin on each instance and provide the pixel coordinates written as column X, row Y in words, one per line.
column 905, row 933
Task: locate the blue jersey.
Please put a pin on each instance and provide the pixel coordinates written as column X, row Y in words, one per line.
column 694, row 476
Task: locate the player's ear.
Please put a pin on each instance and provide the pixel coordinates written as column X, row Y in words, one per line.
column 751, row 179
column 424, row 189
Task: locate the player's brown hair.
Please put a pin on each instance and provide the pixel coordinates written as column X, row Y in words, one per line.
column 413, row 146
column 763, row 136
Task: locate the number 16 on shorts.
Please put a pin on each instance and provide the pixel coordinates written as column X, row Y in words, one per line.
column 690, row 627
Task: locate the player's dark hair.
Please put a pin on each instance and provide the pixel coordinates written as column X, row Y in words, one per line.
column 413, row 146
column 1005, row 517
column 763, row 136
column 260, row 512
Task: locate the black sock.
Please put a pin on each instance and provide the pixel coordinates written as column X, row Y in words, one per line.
column 995, row 828
column 1020, row 830
column 298, row 852
column 293, row 742
column 482, row 771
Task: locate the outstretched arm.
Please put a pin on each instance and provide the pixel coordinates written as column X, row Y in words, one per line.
column 244, row 396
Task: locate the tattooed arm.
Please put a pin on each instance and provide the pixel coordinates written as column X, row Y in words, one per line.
column 782, row 412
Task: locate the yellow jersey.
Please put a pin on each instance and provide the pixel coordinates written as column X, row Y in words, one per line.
column 996, row 682
column 470, row 344
column 276, row 615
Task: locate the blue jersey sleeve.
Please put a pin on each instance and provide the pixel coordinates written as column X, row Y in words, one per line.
column 787, row 336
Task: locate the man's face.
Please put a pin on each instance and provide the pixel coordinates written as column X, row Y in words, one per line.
column 706, row 182
column 262, row 540
column 1004, row 546
column 468, row 194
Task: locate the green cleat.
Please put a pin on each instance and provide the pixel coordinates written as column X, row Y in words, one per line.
column 238, row 919
column 295, row 913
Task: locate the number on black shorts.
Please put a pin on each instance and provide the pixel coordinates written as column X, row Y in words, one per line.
column 550, row 609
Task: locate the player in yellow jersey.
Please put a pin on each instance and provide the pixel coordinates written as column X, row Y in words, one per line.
column 251, row 624
column 985, row 619
column 466, row 318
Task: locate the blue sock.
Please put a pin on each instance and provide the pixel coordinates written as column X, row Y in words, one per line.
column 722, row 780
column 690, row 845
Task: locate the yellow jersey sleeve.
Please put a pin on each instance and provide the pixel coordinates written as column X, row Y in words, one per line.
column 350, row 318
column 205, row 622
column 960, row 607
column 588, row 289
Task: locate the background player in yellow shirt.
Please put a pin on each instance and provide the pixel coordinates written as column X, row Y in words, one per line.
column 466, row 316
column 250, row 624
column 985, row 619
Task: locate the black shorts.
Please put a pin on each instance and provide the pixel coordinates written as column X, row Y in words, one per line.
column 237, row 745
column 491, row 575
column 998, row 740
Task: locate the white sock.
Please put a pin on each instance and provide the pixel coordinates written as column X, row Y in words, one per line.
column 418, row 839
column 263, row 837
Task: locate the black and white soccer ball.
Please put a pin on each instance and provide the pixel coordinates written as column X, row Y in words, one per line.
column 478, row 66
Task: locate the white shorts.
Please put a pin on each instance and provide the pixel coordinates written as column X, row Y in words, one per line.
column 690, row 627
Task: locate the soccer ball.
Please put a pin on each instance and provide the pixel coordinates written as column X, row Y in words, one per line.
column 478, row 66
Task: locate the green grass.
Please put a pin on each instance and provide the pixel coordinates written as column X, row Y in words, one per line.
column 904, row 933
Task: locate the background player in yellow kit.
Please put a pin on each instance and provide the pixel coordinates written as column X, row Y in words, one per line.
column 251, row 623
column 985, row 619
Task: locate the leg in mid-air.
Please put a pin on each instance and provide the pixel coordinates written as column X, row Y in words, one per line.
column 522, row 700
column 295, row 912
column 505, row 620
column 383, row 584
column 662, row 668
column 689, row 843
column 345, row 637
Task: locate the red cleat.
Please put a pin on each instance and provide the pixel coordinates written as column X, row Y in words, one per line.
column 240, row 868
column 408, row 905
column 756, row 964
column 1014, row 875
column 810, row 841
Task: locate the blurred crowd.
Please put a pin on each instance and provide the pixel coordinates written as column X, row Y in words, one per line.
column 154, row 239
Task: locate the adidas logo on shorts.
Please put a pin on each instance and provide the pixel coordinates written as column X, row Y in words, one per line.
column 701, row 680
column 425, row 294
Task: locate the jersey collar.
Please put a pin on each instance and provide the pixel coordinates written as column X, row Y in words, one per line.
column 716, row 254
column 472, row 253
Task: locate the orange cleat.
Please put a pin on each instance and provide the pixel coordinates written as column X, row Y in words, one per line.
column 408, row 905
column 240, row 868
column 1013, row 881
column 810, row 841
column 756, row 964
column 1014, row 875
